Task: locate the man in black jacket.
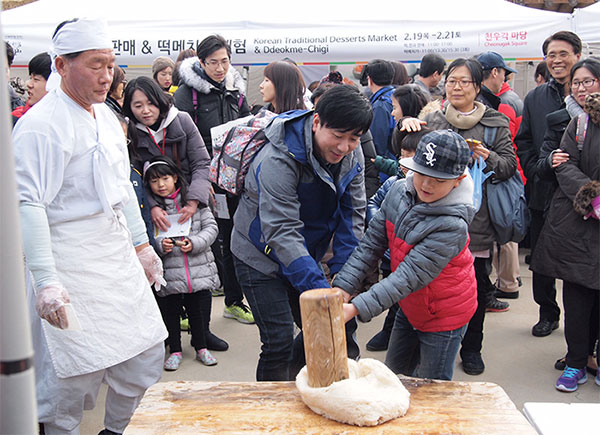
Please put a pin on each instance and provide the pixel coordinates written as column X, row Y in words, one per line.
column 561, row 50
column 213, row 93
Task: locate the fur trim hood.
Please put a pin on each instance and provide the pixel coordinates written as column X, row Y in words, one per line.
column 189, row 75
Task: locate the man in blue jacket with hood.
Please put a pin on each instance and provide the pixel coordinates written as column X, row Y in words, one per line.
column 303, row 189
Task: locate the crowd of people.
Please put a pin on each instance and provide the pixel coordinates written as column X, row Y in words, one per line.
column 365, row 189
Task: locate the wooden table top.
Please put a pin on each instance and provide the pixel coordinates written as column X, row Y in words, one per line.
column 436, row 407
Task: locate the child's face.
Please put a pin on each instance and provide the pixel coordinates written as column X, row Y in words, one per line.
column 432, row 189
column 164, row 185
column 405, row 154
column 397, row 110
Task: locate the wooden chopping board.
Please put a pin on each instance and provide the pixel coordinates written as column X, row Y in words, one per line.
column 436, row 407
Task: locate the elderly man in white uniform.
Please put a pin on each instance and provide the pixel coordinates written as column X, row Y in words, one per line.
column 82, row 229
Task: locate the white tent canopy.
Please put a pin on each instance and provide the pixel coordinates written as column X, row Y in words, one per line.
column 312, row 32
column 586, row 23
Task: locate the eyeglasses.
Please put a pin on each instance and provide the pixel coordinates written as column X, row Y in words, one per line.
column 213, row 63
column 462, row 83
column 560, row 55
column 587, row 83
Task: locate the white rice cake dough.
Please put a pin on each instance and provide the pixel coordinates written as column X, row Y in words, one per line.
column 372, row 395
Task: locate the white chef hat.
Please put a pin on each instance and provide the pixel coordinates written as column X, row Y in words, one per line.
column 80, row 34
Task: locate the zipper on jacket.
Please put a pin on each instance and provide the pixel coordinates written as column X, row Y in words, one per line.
column 185, row 259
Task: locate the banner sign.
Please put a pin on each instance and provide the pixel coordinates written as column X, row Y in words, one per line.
column 405, row 41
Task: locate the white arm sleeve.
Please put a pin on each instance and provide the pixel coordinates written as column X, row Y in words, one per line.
column 37, row 244
column 133, row 215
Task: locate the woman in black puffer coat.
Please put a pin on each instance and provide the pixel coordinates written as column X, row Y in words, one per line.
column 568, row 244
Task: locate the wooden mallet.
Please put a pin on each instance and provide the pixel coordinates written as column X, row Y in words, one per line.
column 324, row 336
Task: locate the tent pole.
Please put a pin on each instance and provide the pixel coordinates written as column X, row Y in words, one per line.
column 18, row 413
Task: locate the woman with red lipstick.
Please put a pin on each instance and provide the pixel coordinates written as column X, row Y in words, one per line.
column 162, row 72
column 473, row 120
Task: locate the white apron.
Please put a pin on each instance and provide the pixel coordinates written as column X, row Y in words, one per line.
column 96, row 262
column 109, row 291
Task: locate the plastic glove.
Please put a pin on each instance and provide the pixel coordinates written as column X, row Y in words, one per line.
column 152, row 266
column 50, row 305
column 595, row 213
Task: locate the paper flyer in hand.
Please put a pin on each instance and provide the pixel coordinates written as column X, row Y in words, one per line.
column 221, row 209
column 176, row 229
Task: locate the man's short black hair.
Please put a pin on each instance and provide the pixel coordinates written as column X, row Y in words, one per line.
column 41, row 65
column 10, row 53
column 210, row 44
column 381, row 72
column 431, row 63
column 344, row 108
column 566, row 36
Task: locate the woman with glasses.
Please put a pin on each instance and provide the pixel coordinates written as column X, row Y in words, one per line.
column 490, row 138
column 584, row 80
column 210, row 90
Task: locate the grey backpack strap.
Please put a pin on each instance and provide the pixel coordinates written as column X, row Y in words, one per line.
column 582, row 125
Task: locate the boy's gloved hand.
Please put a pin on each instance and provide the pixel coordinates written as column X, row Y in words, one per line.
column 387, row 166
column 152, row 266
column 50, row 304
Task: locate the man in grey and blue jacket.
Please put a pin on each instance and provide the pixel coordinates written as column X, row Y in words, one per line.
column 303, row 189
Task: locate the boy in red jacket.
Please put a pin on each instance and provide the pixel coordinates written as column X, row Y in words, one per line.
column 424, row 221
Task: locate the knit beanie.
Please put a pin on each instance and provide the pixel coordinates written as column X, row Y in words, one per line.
column 161, row 63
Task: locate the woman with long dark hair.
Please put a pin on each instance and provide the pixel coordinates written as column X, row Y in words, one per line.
column 283, row 87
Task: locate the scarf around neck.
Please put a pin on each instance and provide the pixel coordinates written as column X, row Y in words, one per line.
column 465, row 122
